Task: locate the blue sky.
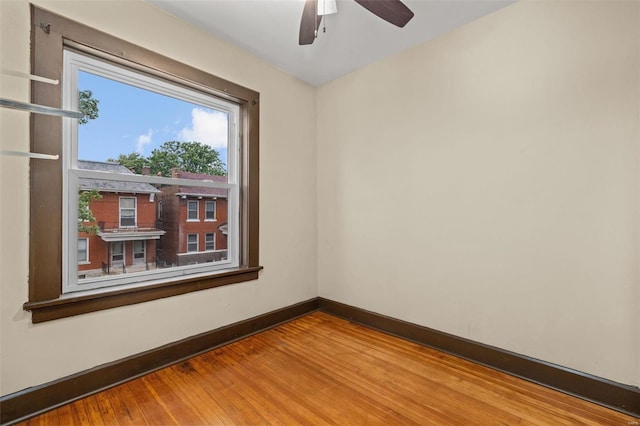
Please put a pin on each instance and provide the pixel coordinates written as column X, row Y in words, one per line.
column 137, row 120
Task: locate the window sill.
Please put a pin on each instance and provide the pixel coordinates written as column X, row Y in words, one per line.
column 75, row 305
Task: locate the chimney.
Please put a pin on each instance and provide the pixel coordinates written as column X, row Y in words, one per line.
column 146, row 170
column 175, row 172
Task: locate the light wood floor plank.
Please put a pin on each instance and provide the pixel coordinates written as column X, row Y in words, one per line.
column 321, row 370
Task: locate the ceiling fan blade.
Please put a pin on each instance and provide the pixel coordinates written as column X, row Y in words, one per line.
column 309, row 23
column 392, row 11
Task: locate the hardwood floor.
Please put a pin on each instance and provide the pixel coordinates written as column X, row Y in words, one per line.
column 319, row 369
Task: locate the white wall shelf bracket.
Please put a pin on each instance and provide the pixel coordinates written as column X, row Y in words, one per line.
column 30, row 155
column 31, row 77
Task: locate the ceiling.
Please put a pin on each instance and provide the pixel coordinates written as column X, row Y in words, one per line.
column 354, row 37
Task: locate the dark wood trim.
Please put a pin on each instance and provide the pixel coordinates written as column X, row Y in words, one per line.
column 48, row 310
column 50, row 33
column 45, row 236
column 252, row 190
column 29, row 402
column 32, row 401
column 617, row 396
column 69, row 31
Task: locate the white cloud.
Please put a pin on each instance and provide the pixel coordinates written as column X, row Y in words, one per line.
column 142, row 141
column 206, row 127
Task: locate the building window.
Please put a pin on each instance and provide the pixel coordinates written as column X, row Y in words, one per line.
column 127, row 211
column 210, row 241
column 139, row 251
column 117, row 253
column 192, row 210
column 66, row 54
column 83, row 250
column 192, row 243
column 210, row 210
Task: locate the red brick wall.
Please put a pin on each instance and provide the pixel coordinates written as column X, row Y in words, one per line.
column 174, row 223
column 169, row 223
column 98, row 252
column 107, row 210
column 202, row 226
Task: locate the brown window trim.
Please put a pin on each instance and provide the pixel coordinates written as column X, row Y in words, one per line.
column 50, row 33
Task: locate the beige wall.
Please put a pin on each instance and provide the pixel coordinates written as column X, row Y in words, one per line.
column 486, row 184
column 34, row 354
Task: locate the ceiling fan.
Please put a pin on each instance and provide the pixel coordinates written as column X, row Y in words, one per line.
column 392, row 11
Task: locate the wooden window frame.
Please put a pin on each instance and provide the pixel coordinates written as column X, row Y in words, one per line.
column 50, row 34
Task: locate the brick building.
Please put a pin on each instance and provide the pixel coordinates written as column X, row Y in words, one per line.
column 195, row 221
column 127, row 235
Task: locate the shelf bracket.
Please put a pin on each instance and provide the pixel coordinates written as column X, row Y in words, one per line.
column 30, row 155
column 30, row 76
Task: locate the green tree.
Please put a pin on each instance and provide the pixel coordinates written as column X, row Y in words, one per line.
column 133, row 161
column 194, row 157
column 86, row 220
column 88, row 106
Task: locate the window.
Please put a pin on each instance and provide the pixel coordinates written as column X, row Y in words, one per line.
column 192, row 242
column 88, row 168
column 117, row 253
column 70, row 48
column 139, row 251
column 192, row 210
column 210, row 210
column 210, row 241
column 83, row 250
column 127, row 211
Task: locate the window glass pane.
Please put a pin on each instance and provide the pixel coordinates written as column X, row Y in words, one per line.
column 148, row 132
column 210, row 241
column 192, row 242
column 117, row 251
column 157, row 244
column 139, row 254
column 210, row 210
column 141, row 226
column 82, row 249
column 193, row 209
column 127, row 203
